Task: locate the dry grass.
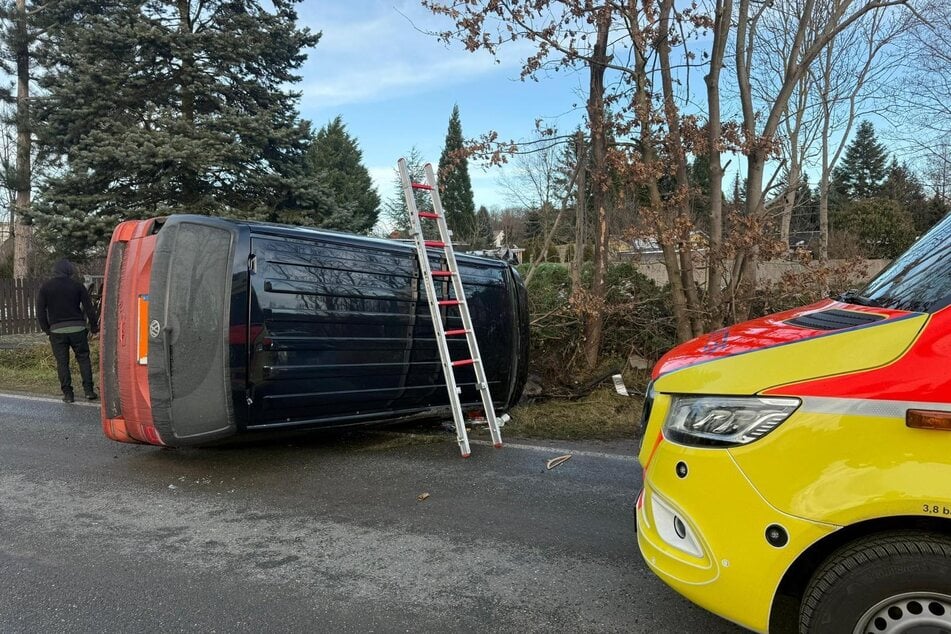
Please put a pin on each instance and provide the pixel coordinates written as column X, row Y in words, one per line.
column 31, row 368
column 603, row 415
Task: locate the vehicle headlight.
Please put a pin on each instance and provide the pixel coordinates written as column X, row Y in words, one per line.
column 724, row 421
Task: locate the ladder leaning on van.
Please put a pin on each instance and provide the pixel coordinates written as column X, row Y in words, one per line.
column 458, row 301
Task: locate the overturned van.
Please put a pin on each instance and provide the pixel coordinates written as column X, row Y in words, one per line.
column 214, row 328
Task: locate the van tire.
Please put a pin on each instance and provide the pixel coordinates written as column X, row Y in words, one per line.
column 896, row 566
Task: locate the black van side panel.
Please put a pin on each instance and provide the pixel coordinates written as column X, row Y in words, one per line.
column 342, row 331
column 189, row 309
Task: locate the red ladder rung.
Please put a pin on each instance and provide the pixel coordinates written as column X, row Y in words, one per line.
column 442, row 273
column 449, row 302
column 456, row 364
column 428, row 214
column 435, row 243
column 422, row 186
column 452, row 333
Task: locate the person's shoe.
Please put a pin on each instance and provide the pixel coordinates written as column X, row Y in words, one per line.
column 92, row 396
column 68, row 397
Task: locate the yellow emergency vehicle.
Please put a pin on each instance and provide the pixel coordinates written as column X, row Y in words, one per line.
column 804, row 459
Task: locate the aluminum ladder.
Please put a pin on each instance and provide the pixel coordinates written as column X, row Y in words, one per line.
column 458, row 301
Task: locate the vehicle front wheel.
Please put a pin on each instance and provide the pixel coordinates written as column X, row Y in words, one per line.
column 893, row 582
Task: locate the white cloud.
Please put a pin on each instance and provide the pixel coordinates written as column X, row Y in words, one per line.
column 377, row 51
column 396, row 77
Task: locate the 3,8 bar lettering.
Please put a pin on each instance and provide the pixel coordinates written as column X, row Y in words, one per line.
column 935, row 509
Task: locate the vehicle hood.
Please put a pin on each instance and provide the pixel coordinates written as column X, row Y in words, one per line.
column 822, row 339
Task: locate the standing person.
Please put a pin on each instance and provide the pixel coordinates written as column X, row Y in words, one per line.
column 60, row 307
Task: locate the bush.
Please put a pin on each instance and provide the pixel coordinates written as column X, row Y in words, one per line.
column 882, row 226
column 637, row 319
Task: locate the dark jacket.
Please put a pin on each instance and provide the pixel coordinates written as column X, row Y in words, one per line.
column 62, row 301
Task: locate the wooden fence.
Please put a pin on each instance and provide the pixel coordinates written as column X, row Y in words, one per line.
column 18, row 306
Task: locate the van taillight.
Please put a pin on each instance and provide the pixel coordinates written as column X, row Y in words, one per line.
column 142, row 344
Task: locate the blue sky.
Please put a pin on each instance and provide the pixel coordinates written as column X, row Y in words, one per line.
column 395, row 87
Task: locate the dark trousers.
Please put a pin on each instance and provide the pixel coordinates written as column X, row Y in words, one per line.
column 79, row 342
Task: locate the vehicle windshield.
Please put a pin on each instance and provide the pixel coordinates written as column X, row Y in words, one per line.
column 920, row 279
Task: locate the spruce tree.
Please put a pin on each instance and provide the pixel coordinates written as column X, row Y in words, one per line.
column 863, row 168
column 902, row 186
column 335, row 161
column 395, row 210
column 161, row 107
column 483, row 236
column 804, row 224
column 455, row 187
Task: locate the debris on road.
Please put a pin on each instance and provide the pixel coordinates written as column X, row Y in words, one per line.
column 554, row 462
column 422, row 497
column 619, row 386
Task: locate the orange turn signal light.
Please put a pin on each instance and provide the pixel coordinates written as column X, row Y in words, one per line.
column 927, row 419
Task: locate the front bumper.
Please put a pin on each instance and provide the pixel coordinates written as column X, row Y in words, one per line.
column 703, row 531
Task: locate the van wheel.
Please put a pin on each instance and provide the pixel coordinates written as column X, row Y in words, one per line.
column 893, row 582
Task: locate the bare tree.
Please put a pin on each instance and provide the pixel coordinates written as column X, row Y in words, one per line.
column 817, row 25
column 722, row 23
column 923, row 96
column 560, row 31
column 855, row 66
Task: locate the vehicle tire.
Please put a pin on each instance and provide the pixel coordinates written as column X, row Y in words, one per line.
column 894, row 582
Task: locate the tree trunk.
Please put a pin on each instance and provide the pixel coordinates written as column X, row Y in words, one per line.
column 756, row 167
column 721, row 31
column 824, row 217
column 677, row 298
column 23, row 231
column 679, row 156
column 789, row 200
column 595, row 318
column 580, row 214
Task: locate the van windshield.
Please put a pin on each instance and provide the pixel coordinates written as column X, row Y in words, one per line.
column 920, row 279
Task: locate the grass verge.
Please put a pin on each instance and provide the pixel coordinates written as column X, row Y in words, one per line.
column 32, row 368
column 602, row 415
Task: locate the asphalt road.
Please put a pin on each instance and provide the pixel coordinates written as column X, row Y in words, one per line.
column 322, row 533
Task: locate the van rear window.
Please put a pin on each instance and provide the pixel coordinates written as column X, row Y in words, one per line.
column 920, row 279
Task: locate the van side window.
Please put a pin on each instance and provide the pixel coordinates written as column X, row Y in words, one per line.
column 920, row 279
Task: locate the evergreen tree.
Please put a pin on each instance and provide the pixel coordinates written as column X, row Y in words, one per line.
column 335, row 161
column 881, row 226
column 863, row 168
column 804, row 224
column 903, row 187
column 395, row 210
column 699, row 176
column 160, row 107
column 931, row 214
column 533, row 225
column 483, row 237
column 455, row 187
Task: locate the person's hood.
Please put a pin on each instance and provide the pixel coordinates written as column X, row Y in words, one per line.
column 824, row 338
column 64, row 268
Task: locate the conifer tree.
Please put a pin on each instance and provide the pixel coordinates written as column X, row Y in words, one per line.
column 483, row 236
column 335, row 160
column 863, row 168
column 160, row 107
column 455, row 187
column 395, row 211
column 902, row 186
column 804, row 224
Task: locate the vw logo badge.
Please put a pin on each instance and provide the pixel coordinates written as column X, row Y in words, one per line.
column 154, row 328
